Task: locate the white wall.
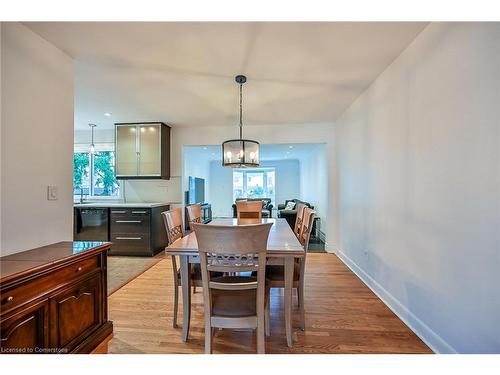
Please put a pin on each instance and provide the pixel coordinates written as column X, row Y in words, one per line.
column 287, row 184
column 418, row 172
column 314, row 183
column 36, row 140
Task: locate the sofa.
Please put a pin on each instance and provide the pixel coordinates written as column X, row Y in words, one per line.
column 291, row 215
column 267, row 207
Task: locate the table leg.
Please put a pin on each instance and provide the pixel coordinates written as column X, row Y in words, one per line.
column 186, row 296
column 288, row 299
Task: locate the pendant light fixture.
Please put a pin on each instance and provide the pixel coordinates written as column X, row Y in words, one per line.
column 240, row 153
column 92, row 147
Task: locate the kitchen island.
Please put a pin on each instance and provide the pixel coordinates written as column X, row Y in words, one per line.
column 135, row 229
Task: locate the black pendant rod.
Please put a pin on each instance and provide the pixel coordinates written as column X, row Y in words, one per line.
column 241, row 79
column 241, row 111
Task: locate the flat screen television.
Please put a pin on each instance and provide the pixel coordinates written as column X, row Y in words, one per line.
column 196, row 193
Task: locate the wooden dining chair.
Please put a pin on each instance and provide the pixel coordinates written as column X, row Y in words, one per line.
column 275, row 274
column 233, row 302
column 249, row 209
column 193, row 214
column 175, row 230
column 298, row 221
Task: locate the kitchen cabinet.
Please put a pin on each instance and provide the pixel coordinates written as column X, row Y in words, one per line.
column 142, row 150
column 54, row 299
column 137, row 231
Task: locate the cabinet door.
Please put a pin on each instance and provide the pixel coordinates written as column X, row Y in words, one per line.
column 25, row 331
column 75, row 312
column 150, row 150
column 126, row 150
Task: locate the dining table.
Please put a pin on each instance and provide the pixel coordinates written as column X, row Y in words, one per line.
column 283, row 248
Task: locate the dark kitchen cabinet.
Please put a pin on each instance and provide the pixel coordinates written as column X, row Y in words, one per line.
column 137, row 231
column 142, row 150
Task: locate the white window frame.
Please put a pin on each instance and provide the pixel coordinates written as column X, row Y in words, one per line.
column 263, row 170
column 98, row 147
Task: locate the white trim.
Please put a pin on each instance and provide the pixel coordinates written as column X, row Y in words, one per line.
column 426, row 334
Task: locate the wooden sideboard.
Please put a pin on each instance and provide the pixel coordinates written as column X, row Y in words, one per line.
column 54, row 299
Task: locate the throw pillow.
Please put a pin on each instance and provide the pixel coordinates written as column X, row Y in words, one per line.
column 290, row 206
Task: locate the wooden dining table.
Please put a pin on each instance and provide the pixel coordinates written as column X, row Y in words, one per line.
column 282, row 248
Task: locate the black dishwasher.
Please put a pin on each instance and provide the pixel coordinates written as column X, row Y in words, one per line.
column 91, row 224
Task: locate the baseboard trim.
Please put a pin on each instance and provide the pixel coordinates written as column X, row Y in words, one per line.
column 426, row 334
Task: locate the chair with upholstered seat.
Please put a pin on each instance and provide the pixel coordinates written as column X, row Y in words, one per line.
column 249, row 209
column 175, row 230
column 275, row 274
column 233, row 302
column 193, row 214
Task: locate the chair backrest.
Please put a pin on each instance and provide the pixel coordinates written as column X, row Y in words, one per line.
column 249, row 209
column 307, row 224
column 173, row 224
column 239, row 248
column 193, row 214
column 298, row 220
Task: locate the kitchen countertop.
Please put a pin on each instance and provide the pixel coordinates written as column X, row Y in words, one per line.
column 121, row 204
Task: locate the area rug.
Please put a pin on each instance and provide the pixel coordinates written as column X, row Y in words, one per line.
column 122, row 270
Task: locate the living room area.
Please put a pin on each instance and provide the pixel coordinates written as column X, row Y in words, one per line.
column 289, row 174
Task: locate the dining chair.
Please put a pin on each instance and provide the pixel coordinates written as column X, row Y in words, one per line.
column 298, row 221
column 249, row 209
column 175, row 230
column 234, row 302
column 193, row 214
column 275, row 274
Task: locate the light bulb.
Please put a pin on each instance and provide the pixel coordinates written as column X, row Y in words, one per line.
column 229, row 154
column 252, row 155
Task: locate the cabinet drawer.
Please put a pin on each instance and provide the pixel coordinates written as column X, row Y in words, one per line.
column 130, row 243
column 30, row 290
column 129, row 213
column 139, row 225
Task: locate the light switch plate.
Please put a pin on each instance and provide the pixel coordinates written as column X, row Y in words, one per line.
column 52, row 193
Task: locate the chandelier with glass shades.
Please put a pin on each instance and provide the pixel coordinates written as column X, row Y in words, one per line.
column 240, row 153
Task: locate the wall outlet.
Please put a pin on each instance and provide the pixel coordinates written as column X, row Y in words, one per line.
column 52, row 193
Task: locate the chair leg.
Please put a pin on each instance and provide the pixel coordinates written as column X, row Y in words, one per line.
column 176, row 305
column 267, row 322
column 300, row 298
column 208, row 338
column 194, row 289
column 261, row 342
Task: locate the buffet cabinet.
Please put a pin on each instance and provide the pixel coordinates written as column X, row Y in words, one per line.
column 142, row 150
column 54, row 299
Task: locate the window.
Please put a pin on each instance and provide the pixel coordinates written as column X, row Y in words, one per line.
column 94, row 173
column 254, row 183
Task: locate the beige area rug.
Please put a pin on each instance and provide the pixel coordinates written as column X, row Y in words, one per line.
column 122, row 270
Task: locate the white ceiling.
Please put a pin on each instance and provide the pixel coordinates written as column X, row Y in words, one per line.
column 268, row 152
column 183, row 73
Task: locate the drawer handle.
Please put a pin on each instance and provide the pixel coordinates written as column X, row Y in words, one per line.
column 129, row 238
column 128, row 221
column 118, row 212
column 10, row 298
column 138, row 212
column 78, row 269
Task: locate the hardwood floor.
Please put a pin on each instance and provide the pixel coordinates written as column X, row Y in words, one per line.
column 342, row 316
